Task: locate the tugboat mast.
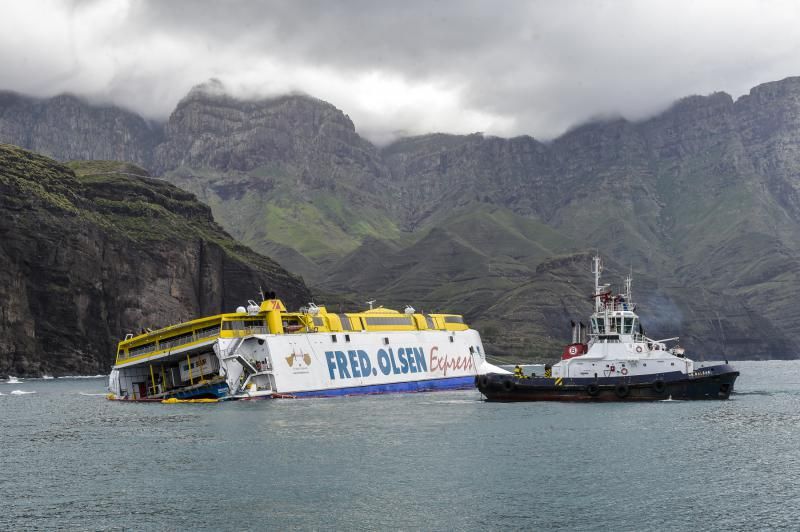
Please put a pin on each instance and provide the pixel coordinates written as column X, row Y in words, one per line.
column 597, row 267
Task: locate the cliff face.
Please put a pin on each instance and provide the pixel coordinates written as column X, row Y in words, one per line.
column 66, row 127
column 88, row 255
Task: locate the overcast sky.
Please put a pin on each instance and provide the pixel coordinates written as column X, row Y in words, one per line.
column 505, row 68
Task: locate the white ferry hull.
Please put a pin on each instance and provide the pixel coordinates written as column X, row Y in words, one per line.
column 329, row 364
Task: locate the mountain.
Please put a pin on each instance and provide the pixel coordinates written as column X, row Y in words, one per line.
column 286, row 175
column 95, row 249
column 702, row 202
column 68, row 127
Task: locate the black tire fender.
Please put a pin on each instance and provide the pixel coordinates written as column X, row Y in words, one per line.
column 509, row 385
column 659, row 386
column 593, row 389
column 482, row 381
column 622, row 390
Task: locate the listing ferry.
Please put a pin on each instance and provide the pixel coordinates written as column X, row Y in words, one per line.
column 618, row 363
column 264, row 351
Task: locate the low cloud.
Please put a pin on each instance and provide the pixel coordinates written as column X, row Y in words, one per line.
column 504, row 68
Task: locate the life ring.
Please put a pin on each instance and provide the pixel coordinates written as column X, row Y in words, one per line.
column 573, row 350
column 622, row 390
column 509, row 385
column 659, row 386
column 638, row 349
column 593, row 389
column 624, row 371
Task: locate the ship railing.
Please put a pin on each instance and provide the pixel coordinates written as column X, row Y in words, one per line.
column 163, row 345
column 211, row 331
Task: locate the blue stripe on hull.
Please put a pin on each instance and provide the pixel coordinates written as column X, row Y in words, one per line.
column 452, row 383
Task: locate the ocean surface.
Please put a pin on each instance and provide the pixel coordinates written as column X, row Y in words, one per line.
column 70, row 459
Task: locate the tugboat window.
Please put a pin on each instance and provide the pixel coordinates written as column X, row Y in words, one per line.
column 628, row 326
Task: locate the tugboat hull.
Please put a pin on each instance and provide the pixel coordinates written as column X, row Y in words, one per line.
column 715, row 382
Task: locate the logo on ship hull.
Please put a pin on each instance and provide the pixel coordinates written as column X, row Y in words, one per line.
column 299, row 362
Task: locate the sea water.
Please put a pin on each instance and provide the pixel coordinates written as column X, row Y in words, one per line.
column 435, row 461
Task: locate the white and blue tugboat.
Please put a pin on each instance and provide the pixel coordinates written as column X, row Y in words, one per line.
column 618, row 363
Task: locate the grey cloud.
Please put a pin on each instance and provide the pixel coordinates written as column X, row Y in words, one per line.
column 538, row 67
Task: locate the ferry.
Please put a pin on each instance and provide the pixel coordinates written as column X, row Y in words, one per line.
column 618, row 363
column 264, row 351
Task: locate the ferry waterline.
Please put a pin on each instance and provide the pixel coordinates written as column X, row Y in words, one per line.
column 265, row 351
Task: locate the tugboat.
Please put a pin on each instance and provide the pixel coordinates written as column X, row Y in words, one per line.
column 618, row 363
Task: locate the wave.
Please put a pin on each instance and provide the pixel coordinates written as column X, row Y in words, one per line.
column 92, row 394
column 83, row 377
column 13, row 380
column 21, row 392
column 47, row 377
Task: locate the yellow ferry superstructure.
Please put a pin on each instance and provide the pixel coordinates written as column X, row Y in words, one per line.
column 266, row 351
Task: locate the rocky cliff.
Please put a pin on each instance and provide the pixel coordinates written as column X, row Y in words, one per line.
column 67, row 127
column 93, row 250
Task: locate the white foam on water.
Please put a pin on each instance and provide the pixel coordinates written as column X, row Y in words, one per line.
column 13, row 380
column 92, row 394
column 47, row 377
column 20, row 392
column 83, row 377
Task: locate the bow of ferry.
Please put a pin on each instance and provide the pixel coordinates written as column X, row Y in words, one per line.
column 265, row 351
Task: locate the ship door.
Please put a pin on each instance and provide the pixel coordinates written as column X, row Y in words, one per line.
column 141, row 389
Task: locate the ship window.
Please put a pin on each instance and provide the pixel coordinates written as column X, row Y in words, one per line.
column 451, row 340
column 319, row 322
column 333, row 338
column 429, row 321
column 208, row 331
column 471, row 349
column 142, row 349
column 628, row 326
column 169, row 343
column 345, row 322
column 346, row 337
column 386, row 320
column 385, row 341
column 601, row 326
column 453, row 319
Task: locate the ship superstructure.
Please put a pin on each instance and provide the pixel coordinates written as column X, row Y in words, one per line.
column 617, row 345
column 263, row 350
